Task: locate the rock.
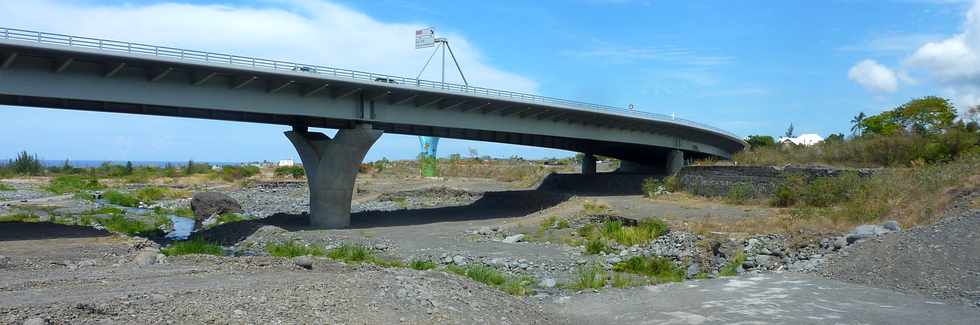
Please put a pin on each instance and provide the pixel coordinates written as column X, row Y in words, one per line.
column 613, row 260
column 840, row 242
column 547, row 283
column 305, row 262
column 865, row 231
column 693, row 270
column 892, row 225
column 763, row 260
column 485, row 230
column 146, row 257
column 5, row 261
column 84, row 263
column 459, row 260
column 513, row 238
column 35, row 321
column 206, row 204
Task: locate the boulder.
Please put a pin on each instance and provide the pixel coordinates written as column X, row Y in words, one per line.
column 693, row 270
column 206, row 204
column 866, row 231
column 305, row 262
column 892, row 225
column 514, row 238
column 547, row 283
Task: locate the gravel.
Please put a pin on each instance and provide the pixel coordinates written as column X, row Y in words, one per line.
column 939, row 260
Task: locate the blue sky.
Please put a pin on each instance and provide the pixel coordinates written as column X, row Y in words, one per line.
column 751, row 67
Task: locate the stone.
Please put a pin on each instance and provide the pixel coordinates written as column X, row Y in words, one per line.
column 693, row 270
column 547, row 283
column 763, row 260
column 840, row 242
column 613, row 260
column 206, row 204
column 87, row 262
column 35, row 321
column 305, row 262
column 5, row 261
column 892, row 225
column 864, row 232
column 513, row 238
column 459, row 260
column 485, row 230
column 146, row 257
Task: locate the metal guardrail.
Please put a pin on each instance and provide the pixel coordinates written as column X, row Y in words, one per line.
column 208, row 57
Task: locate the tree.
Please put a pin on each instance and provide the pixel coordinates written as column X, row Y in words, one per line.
column 789, row 131
column 129, row 168
column 190, row 167
column 973, row 113
column 759, row 141
column 473, row 153
column 834, row 137
column 856, row 123
column 926, row 115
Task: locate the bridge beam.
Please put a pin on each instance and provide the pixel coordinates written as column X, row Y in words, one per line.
column 331, row 169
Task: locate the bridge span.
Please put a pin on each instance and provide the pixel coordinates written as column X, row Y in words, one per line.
column 48, row 70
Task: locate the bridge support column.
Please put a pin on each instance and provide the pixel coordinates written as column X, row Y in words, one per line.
column 331, row 168
column 588, row 164
column 675, row 161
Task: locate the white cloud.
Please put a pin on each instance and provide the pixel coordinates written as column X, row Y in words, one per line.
column 309, row 31
column 955, row 61
column 873, row 76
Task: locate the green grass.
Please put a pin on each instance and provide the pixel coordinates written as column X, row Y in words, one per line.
column 422, row 265
column 596, row 246
column 562, row 224
column 351, row 253
column 292, row 249
column 739, row 193
column 731, row 268
column 195, row 245
column 549, row 222
column 515, row 285
column 645, row 231
column 589, row 277
column 230, row 217
column 20, row 217
column 659, row 268
column 152, row 194
column 6, row 187
column 72, row 184
column 121, row 198
column 120, row 224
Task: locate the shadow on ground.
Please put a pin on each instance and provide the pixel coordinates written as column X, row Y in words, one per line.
column 10, row 231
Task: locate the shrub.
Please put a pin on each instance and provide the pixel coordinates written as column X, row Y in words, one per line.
column 739, row 193
column 549, row 222
column 673, row 183
column 352, row 253
column 26, row 164
column 234, row 173
column 120, row 198
column 422, row 265
column 596, row 246
column 653, row 187
column 72, row 184
column 562, row 224
column 589, row 277
column 587, row 231
column 660, row 268
column 788, row 192
column 827, row 191
column 731, row 268
column 292, row 249
column 195, row 245
column 292, row 171
column 6, row 187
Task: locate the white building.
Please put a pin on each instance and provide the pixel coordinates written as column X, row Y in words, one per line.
column 807, row 139
column 286, row 163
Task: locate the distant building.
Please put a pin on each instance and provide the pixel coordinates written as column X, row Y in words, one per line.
column 286, row 163
column 808, row 139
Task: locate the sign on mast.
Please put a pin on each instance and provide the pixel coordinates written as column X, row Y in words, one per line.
column 425, row 38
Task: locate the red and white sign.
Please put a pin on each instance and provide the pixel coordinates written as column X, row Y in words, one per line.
column 425, row 38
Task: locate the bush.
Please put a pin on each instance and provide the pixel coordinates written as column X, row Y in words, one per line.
column 739, row 193
column 6, row 187
column 292, row 249
column 596, row 246
column 73, row 184
column 673, row 183
column 653, row 187
column 589, row 277
column 195, row 245
column 788, row 192
column 234, row 173
column 422, row 265
column 660, row 268
column 120, row 198
column 292, row 171
column 827, row 191
column 25, row 164
column 731, row 269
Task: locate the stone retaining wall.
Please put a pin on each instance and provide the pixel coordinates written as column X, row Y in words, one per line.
column 763, row 180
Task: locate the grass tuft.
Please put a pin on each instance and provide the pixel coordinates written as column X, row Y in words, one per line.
column 422, row 265
column 6, row 187
column 589, row 277
column 659, row 268
column 731, row 268
column 194, row 245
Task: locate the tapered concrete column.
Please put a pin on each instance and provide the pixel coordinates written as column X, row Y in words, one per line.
column 588, row 164
column 675, row 161
column 331, row 168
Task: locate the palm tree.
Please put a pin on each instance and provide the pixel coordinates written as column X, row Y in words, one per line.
column 856, row 128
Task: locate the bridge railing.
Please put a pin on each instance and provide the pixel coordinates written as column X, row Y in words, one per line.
column 209, row 57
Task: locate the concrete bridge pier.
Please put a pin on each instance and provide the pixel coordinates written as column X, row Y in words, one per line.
column 331, row 168
column 672, row 163
column 588, row 164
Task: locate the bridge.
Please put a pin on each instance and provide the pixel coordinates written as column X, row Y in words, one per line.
column 48, row 70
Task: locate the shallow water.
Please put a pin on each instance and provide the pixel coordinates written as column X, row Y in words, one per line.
column 182, row 227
